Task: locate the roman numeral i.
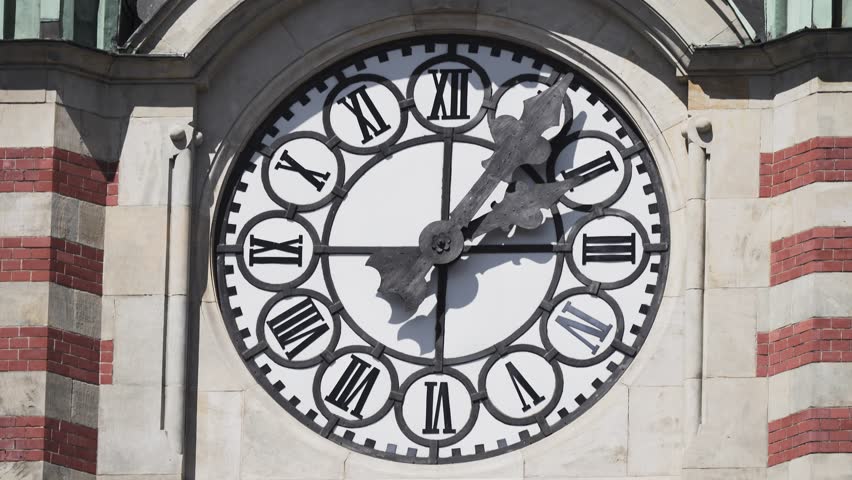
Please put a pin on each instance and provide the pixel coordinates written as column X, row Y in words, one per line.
column 370, row 128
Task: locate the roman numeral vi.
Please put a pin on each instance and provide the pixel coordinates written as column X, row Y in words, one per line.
column 438, row 407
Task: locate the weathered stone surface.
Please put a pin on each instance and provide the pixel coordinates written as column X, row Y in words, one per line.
column 737, row 246
column 220, row 367
column 23, row 393
column 815, row 205
column 134, row 258
column 219, row 420
column 309, row 456
column 808, row 386
column 139, row 340
column 84, row 404
column 733, row 434
column 655, row 430
column 24, row 303
column 603, row 454
column 738, row 145
column 818, row 466
column 660, row 362
column 724, row 474
column 814, row 295
column 22, row 470
column 730, row 321
column 25, row 214
column 129, row 437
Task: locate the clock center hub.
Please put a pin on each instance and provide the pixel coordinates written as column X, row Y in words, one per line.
column 441, row 242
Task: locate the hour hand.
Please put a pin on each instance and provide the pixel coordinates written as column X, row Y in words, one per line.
column 403, row 273
column 522, row 207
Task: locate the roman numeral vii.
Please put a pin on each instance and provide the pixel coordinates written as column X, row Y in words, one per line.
column 357, row 381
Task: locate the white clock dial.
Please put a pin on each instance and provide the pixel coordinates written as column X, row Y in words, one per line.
column 519, row 332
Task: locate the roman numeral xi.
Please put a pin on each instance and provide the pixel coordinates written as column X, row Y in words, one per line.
column 370, row 127
column 299, row 326
column 456, row 80
column 285, row 253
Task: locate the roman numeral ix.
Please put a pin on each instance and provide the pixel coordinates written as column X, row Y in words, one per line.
column 456, row 79
column 316, row 179
column 286, row 253
column 521, row 383
column 438, row 407
column 302, row 323
column 369, row 128
column 588, row 325
column 357, row 381
column 609, row 248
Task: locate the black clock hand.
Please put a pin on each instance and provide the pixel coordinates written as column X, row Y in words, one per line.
column 523, row 206
column 518, row 142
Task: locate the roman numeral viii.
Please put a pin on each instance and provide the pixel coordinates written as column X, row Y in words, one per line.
column 521, row 383
column 438, row 407
column 587, row 324
column 456, row 80
column 264, row 251
column 316, row 179
column 609, row 248
column 302, row 323
column 357, row 381
column 372, row 127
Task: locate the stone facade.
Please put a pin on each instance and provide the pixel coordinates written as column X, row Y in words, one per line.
column 114, row 358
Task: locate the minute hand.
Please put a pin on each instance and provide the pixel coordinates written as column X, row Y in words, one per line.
column 519, row 142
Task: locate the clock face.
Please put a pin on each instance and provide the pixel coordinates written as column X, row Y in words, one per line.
column 384, row 167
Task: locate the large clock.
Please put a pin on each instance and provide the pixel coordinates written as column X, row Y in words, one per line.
column 441, row 249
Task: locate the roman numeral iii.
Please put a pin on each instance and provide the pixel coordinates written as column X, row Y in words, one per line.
column 316, row 179
column 456, row 80
column 357, row 381
column 302, row 323
column 264, row 251
column 372, row 127
column 609, row 248
column 437, row 408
